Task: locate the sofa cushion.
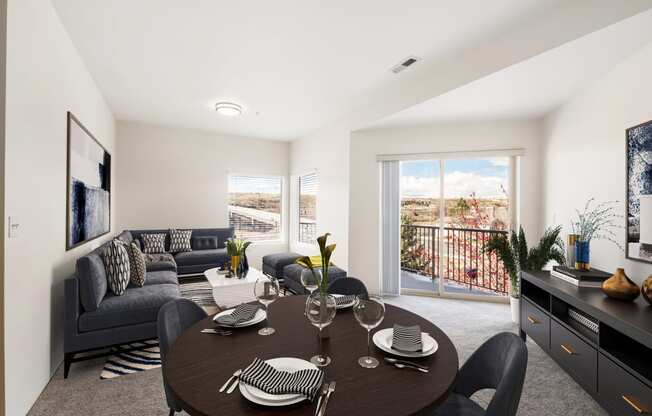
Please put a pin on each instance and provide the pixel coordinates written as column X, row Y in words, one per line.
column 126, row 237
column 204, row 243
column 153, row 243
column 161, row 261
column 92, row 279
column 292, row 275
column 136, row 305
column 161, row 277
column 273, row 264
column 116, row 263
column 137, row 265
column 180, row 240
column 189, row 258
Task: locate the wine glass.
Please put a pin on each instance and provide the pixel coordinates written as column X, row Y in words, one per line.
column 369, row 311
column 311, row 279
column 266, row 290
column 320, row 311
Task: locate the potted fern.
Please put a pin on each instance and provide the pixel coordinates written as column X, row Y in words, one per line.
column 516, row 256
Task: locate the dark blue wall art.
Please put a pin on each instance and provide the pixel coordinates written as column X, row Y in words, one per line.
column 639, row 192
column 89, row 186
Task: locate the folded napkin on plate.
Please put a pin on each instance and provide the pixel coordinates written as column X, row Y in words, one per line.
column 241, row 313
column 344, row 300
column 270, row 380
column 407, row 338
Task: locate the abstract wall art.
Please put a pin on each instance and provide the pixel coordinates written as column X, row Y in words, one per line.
column 88, row 186
column 639, row 192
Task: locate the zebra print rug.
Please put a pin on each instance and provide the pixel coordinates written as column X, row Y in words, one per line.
column 199, row 291
column 122, row 363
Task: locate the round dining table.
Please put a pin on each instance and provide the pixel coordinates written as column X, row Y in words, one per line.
column 198, row 364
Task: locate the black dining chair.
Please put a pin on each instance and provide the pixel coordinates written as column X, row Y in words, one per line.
column 173, row 318
column 347, row 286
column 499, row 364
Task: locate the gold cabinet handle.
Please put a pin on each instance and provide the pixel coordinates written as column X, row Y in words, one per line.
column 634, row 405
column 532, row 320
column 569, row 350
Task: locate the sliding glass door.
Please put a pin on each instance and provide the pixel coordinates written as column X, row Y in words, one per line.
column 449, row 210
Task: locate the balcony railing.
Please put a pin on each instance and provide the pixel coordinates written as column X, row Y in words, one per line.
column 462, row 260
column 308, row 232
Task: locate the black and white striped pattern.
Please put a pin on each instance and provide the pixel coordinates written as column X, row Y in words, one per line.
column 407, row 338
column 153, row 243
column 344, row 300
column 180, row 241
column 270, row 380
column 241, row 313
column 120, row 364
column 200, row 292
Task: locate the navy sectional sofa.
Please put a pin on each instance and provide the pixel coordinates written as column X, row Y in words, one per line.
column 95, row 318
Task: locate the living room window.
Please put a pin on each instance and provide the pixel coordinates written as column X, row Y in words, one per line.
column 308, row 186
column 255, row 207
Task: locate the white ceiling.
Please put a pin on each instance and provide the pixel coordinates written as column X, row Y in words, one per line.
column 294, row 65
column 533, row 88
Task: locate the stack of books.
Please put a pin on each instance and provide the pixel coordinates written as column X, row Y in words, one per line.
column 581, row 278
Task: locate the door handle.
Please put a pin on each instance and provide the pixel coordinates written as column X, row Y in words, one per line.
column 568, row 349
column 532, row 320
column 638, row 408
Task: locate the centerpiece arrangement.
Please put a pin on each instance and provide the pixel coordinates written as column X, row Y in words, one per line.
column 516, row 256
column 236, row 248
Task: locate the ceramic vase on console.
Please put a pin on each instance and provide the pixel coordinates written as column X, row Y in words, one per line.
column 620, row 287
column 646, row 289
column 235, row 262
column 582, row 255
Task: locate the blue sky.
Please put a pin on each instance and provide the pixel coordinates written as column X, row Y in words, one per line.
column 484, row 176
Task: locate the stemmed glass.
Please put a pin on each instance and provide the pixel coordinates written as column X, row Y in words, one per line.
column 266, row 290
column 369, row 312
column 320, row 311
column 310, row 279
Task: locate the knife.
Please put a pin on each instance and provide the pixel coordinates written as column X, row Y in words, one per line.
column 225, row 385
column 405, row 362
column 331, row 389
column 322, row 392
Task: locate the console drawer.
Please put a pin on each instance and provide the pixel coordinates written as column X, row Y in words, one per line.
column 577, row 357
column 536, row 324
column 620, row 392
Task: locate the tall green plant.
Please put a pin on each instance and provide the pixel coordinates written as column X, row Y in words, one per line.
column 326, row 253
column 513, row 252
column 236, row 246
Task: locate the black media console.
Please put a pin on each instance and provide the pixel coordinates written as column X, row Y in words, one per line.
column 603, row 343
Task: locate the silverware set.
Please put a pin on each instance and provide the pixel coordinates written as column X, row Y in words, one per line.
column 217, row 331
column 324, row 395
column 234, row 380
column 407, row 364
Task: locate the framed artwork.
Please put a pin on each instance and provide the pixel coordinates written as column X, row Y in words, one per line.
column 88, row 186
column 639, row 192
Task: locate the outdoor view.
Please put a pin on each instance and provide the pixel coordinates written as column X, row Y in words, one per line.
column 308, row 185
column 255, row 207
column 476, row 205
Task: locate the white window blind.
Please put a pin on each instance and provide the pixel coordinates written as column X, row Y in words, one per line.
column 255, row 207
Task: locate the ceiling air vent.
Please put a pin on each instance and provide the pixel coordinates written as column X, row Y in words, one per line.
column 410, row 60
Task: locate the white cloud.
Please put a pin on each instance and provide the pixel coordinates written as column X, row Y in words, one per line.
column 457, row 185
column 499, row 161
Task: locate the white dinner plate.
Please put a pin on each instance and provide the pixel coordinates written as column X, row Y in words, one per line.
column 260, row 316
column 383, row 340
column 346, row 305
column 284, row 364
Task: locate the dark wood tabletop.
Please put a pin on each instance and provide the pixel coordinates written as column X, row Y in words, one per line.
column 198, row 364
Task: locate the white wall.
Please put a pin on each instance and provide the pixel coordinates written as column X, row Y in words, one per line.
column 364, row 237
column 327, row 153
column 171, row 177
column 584, row 151
column 45, row 79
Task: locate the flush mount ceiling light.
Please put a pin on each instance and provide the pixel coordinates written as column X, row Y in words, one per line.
column 228, row 109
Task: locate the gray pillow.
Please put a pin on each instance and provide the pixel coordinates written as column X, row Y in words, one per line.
column 153, row 243
column 204, row 243
column 92, row 280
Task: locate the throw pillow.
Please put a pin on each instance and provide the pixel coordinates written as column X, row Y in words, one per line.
column 180, row 241
column 116, row 263
column 153, row 243
column 137, row 265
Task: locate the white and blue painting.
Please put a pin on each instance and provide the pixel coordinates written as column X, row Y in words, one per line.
column 89, row 186
column 639, row 192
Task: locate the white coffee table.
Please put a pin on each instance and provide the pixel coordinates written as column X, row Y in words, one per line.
column 231, row 291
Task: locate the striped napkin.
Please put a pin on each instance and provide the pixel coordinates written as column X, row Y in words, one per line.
column 407, row 338
column 241, row 313
column 344, row 300
column 270, row 380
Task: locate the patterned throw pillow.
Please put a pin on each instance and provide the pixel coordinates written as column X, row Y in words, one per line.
column 137, row 265
column 116, row 264
column 180, row 241
column 153, row 243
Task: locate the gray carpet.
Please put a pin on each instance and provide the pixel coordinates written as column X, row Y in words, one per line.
column 548, row 390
